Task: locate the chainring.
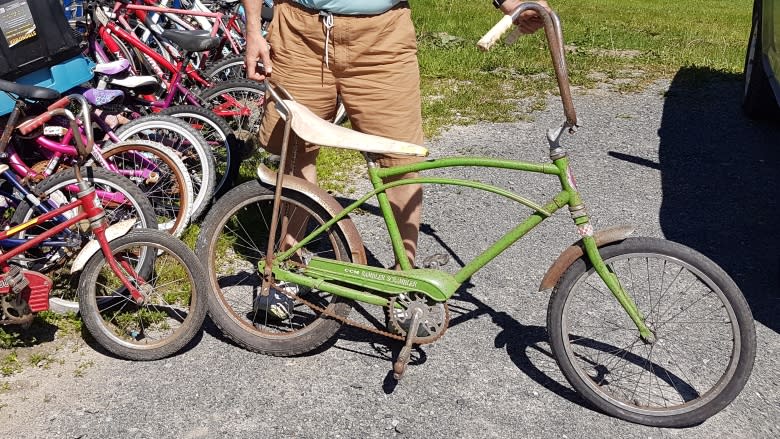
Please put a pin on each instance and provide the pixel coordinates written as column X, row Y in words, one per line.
column 433, row 323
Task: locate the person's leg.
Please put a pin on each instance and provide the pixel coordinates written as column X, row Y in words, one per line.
column 379, row 80
column 297, row 43
column 406, row 202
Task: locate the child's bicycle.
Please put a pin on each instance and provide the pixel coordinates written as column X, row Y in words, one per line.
column 645, row 329
column 141, row 293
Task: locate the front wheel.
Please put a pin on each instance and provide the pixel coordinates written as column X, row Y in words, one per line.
column 172, row 283
column 188, row 143
column 705, row 340
column 161, row 175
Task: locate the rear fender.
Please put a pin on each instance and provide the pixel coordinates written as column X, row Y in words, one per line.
column 324, row 199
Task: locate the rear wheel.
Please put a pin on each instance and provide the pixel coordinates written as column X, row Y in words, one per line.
column 241, row 103
column 704, row 345
column 219, row 136
column 231, row 67
column 233, row 240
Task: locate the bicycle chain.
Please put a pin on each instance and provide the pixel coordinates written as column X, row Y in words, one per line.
column 324, row 311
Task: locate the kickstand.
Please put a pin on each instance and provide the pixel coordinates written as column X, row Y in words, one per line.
column 399, row 367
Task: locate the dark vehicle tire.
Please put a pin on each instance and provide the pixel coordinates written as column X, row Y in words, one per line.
column 758, row 101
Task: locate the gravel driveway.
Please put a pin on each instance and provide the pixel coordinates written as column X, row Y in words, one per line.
column 643, row 159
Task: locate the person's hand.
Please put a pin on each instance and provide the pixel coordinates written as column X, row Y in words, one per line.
column 529, row 21
column 257, row 51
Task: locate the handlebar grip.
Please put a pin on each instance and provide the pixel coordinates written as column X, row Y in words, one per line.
column 61, row 103
column 493, row 35
column 28, row 126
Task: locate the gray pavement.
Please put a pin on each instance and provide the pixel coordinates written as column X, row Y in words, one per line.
column 491, row 375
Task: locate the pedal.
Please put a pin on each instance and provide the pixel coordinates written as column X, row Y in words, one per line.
column 436, row 260
column 399, row 367
column 15, row 279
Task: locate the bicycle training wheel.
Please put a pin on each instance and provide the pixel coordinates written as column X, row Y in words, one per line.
column 704, row 344
column 172, row 283
column 233, row 240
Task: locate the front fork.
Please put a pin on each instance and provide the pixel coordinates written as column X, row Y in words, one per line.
column 96, row 216
column 613, row 283
column 585, row 229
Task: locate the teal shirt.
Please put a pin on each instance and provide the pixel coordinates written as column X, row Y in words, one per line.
column 350, row 7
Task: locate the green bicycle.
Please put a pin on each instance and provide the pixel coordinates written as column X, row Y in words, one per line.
column 645, row 329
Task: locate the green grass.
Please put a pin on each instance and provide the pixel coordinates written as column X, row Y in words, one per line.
column 626, row 42
column 67, row 324
column 9, row 340
column 10, row 364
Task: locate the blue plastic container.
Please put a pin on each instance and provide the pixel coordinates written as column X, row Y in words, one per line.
column 61, row 77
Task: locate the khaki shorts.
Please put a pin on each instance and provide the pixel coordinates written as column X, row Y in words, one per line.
column 372, row 64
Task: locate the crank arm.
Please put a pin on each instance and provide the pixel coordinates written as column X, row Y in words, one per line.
column 399, row 367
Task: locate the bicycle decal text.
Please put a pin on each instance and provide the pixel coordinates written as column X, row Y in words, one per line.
column 382, row 277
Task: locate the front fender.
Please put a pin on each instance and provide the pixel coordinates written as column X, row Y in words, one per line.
column 326, row 200
column 113, row 231
column 576, row 250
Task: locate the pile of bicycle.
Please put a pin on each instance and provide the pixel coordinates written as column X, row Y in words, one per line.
column 147, row 144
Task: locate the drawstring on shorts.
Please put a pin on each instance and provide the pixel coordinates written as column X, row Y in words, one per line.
column 327, row 23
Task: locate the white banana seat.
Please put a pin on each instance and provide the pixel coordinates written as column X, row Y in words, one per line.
column 313, row 129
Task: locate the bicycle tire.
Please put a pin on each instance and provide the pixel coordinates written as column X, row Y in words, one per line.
column 175, row 306
column 241, row 102
column 230, row 257
column 187, row 142
column 170, row 190
column 758, row 98
column 598, row 347
column 228, row 68
column 55, row 263
column 220, row 137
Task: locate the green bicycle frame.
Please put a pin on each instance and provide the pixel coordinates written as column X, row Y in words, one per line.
column 374, row 285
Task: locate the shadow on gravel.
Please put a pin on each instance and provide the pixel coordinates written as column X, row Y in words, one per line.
column 720, row 172
column 516, row 338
